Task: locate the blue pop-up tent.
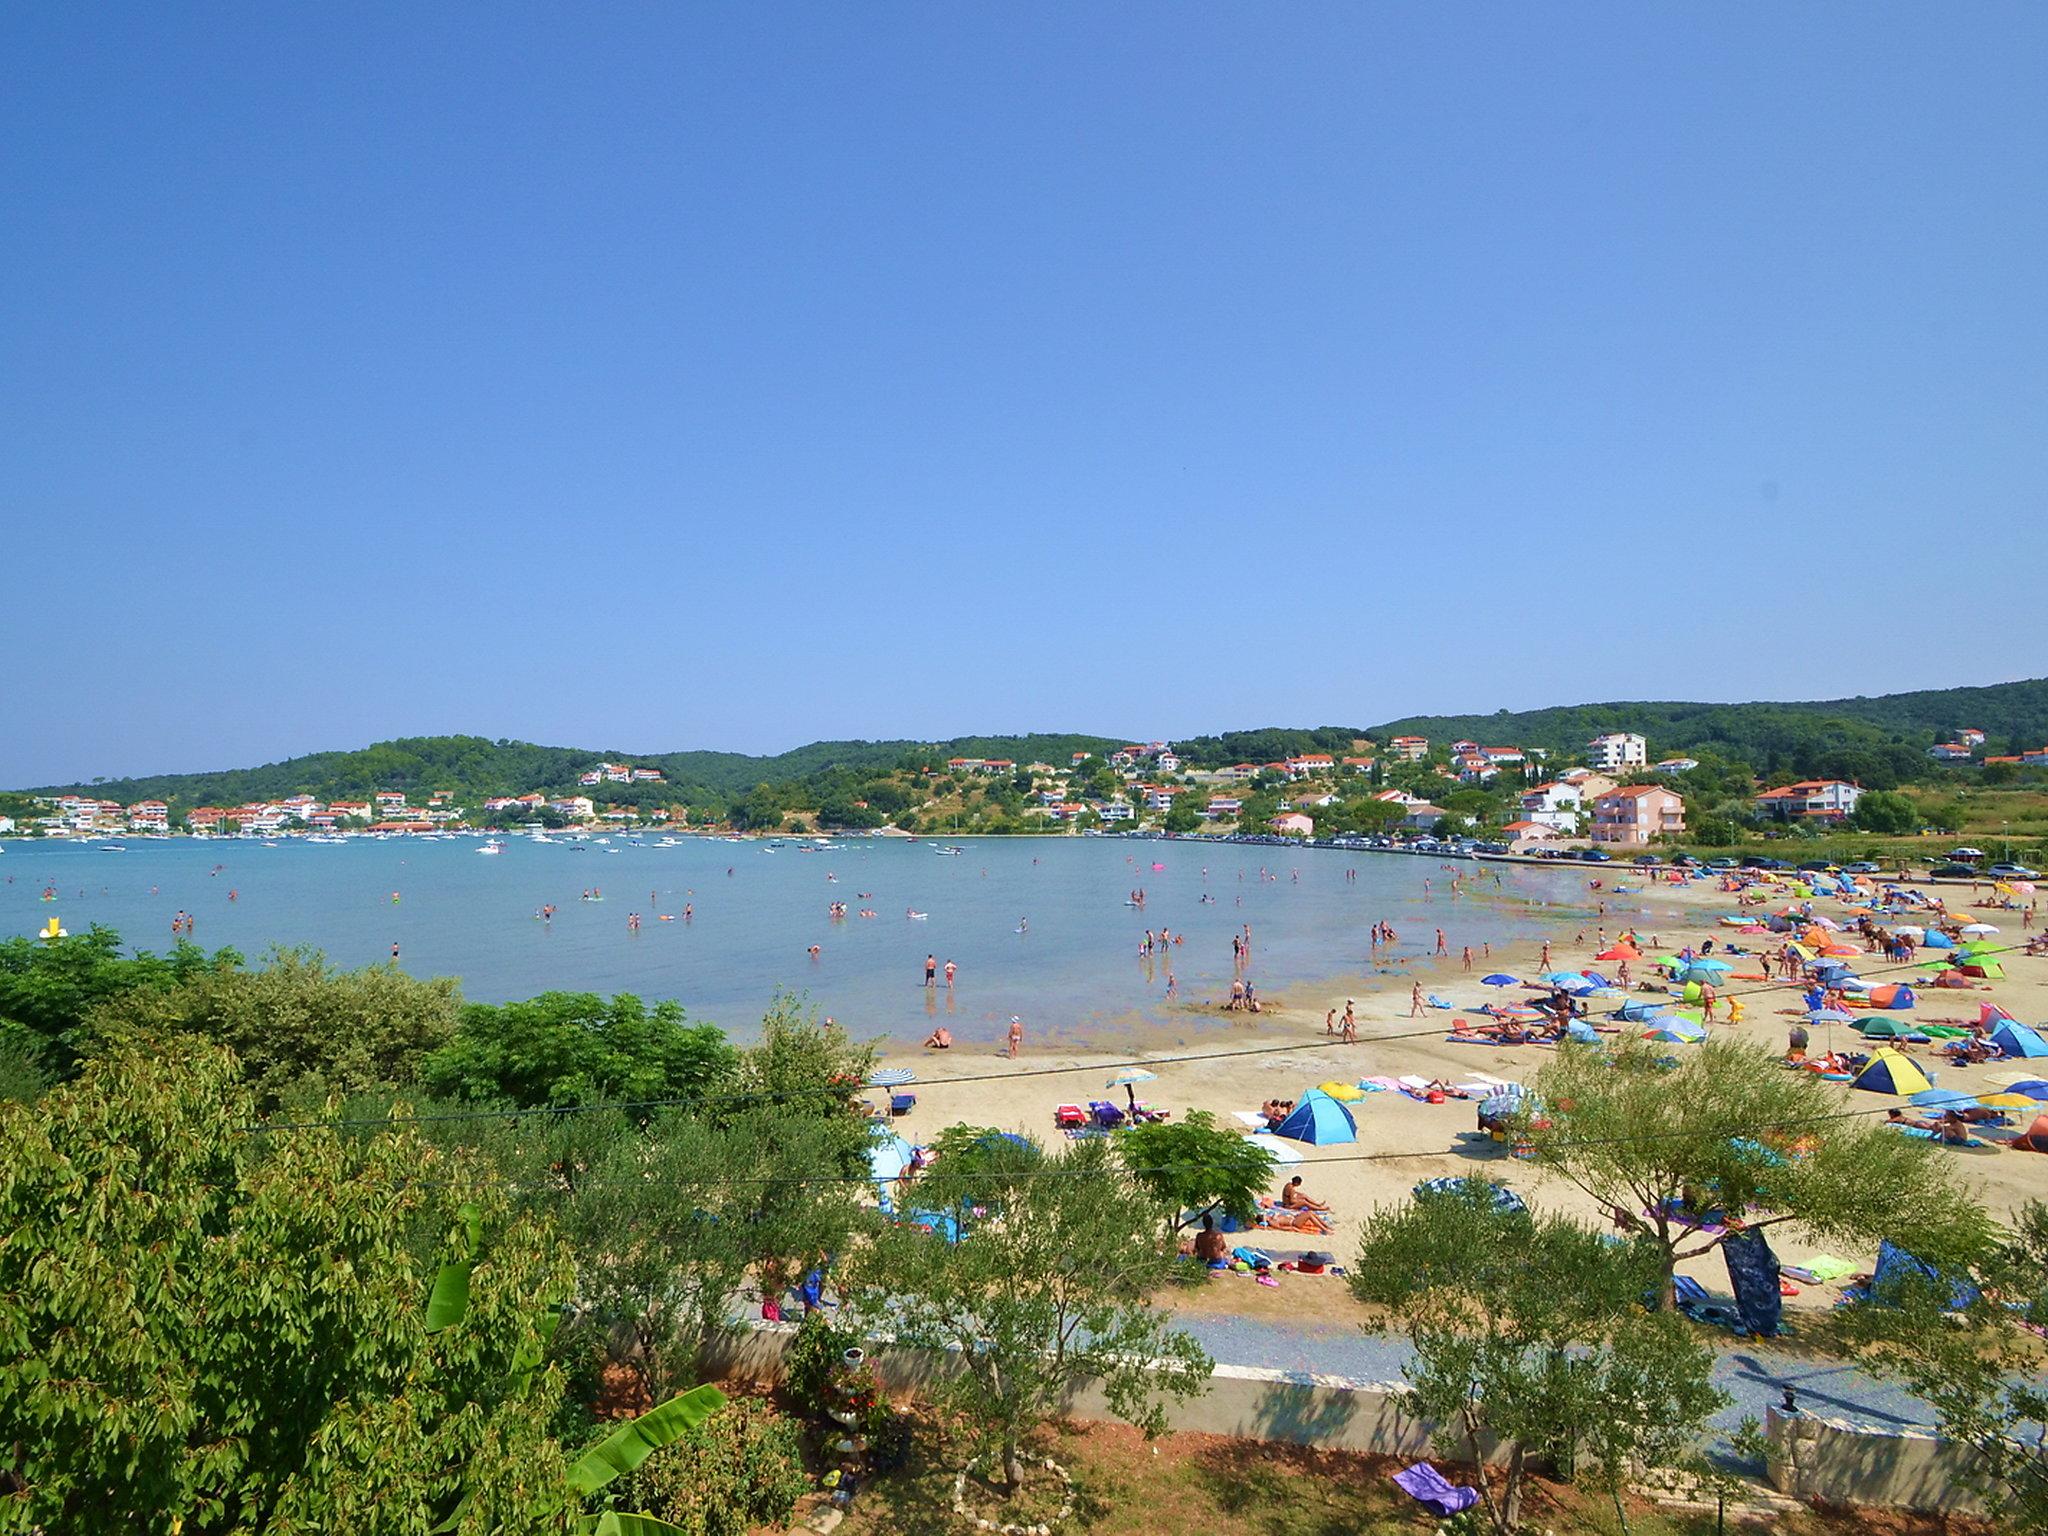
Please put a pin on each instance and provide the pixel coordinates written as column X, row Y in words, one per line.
column 2016, row 1039
column 1637, row 1009
column 1318, row 1120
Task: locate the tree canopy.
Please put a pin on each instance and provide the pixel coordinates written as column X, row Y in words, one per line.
column 1049, row 1283
column 1531, row 1330
column 216, row 1332
column 564, row 1048
column 1726, row 1130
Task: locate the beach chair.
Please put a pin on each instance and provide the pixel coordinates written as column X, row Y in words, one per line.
column 1107, row 1115
column 902, row 1103
column 1069, row 1117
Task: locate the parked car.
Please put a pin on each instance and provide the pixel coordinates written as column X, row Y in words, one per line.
column 1685, row 861
column 1644, row 858
column 1860, row 867
column 2011, row 872
column 1758, row 861
column 1722, row 863
column 1966, row 855
column 1817, row 866
column 1956, row 872
column 1596, row 855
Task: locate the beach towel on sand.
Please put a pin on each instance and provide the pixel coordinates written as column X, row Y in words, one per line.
column 1433, row 1491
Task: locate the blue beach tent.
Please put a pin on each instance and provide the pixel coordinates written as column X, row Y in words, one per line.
column 1318, row 1120
column 1636, row 1010
column 2015, row 1039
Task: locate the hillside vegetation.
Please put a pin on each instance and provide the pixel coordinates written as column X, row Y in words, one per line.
column 1880, row 742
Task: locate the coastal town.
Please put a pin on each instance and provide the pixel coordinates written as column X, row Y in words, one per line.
column 1613, row 791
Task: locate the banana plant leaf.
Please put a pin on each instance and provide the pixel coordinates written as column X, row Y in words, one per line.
column 527, row 1358
column 448, row 1303
column 637, row 1439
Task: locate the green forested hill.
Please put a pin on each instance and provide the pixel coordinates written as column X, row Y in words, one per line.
column 1876, row 740
column 475, row 767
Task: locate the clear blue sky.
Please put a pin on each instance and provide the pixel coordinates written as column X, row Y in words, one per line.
column 667, row 376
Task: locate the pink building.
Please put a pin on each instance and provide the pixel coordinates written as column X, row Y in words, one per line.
column 1633, row 816
column 1293, row 822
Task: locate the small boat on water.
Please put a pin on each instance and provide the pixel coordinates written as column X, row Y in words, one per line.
column 114, row 847
column 493, row 846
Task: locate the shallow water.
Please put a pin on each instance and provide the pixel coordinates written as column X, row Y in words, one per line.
column 1074, row 974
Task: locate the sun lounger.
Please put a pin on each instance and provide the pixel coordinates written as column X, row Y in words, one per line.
column 1435, row 1002
column 1069, row 1116
column 902, row 1103
column 1249, row 1117
column 1107, row 1115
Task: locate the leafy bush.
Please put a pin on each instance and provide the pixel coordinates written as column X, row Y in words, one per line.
column 739, row 1469
column 811, row 1358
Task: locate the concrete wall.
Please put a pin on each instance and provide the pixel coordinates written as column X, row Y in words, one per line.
column 1839, row 1463
column 1295, row 1407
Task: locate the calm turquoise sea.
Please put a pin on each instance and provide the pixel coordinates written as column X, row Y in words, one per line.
column 1073, row 974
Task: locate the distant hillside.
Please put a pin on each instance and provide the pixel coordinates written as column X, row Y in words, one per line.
column 1878, row 741
column 1845, row 736
column 475, row 768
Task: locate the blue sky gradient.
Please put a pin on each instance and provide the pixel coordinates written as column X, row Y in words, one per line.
column 662, row 377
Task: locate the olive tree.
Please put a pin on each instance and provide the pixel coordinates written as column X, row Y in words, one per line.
column 1038, row 1271
column 1531, row 1332
column 1729, row 1129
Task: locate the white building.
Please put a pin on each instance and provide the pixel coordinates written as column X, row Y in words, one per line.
column 1811, row 800
column 1676, row 765
column 1617, row 750
column 1114, row 810
column 1555, row 805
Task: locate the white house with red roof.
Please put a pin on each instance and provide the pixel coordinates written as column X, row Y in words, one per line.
column 1307, row 764
column 1811, row 800
column 149, row 816
column 1410, row 749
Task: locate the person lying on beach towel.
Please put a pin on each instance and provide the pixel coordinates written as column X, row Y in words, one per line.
column 1277, row 1219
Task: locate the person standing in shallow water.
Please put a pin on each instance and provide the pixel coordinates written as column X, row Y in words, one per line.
column 931, row 970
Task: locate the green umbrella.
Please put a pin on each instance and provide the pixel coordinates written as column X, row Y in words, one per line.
column 1887, row 1029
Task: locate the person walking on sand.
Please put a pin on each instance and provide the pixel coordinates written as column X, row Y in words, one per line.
column 1350, row 1022
column 1415, row 1001
column 1016, row 1036
column 1468, row 957
column 1330, row 1022
column 1546, row 956
column 1441, row 947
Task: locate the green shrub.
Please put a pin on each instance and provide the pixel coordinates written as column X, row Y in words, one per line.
column 741, row 1468
column 812, row 1357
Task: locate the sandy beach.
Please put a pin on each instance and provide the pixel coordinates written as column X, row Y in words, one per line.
column 1242, row 1060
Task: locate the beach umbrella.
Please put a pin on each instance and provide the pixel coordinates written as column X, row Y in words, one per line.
column 1944, row 1098
column 1830, row 1016
column 2008, row 1101
column 1887, row 1029
column 1128, row 1079
column 888, row 1157
column 1500, row 979
column 1597, row 979
column 1561, row 978
column 1677, row 1032
column 1980, row 928
column 1619, row 952
column 891, row 1077
column 1709, row 963
column 2032, row 1087
column 1575, row 985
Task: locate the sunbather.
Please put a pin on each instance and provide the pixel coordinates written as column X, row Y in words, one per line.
column 1295, row 1198
column 1211, row 1247
column 1280, row 1219
column 940, row 1039
column 2035, row 1137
